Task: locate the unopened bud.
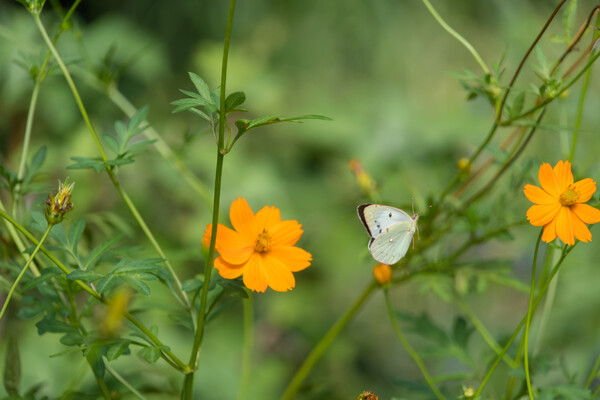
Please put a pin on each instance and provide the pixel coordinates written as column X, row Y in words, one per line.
column 382, row 274
column 366, row 396
column 60, row 204
column 463, row 166
column 366, row 183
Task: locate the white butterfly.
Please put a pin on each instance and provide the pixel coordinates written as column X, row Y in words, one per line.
column 391, row 231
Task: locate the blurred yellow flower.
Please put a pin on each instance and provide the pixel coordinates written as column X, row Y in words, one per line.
column 260, row 247
column 559, row 204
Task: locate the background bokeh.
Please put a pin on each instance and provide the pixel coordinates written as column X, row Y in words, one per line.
column 385, row 72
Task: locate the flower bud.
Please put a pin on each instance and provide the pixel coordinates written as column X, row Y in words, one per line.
column 463, row 166
column 468, row 393
column 60, row 204
column 382, row 274
column 366, row 183
column 366, row 396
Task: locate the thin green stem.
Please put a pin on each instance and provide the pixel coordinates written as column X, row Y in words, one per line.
column 485, row 334
column 529, row 315
column 539, row 298
column 457, row 36
column 547, row 309
column 415, row 356
column 593, row 372
column 586, row 84
column 124, row 382
column 180, row 294
column 18, row 241
column 247, row 351
column 324, row 343
column 102, row 386
column 178, row 364
column 188, row 384
column 31, row 257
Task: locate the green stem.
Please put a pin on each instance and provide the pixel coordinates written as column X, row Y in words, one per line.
column 17, row 239
column 31, row 257
column 178, row 364
column 124, row 382
column 415, row 356
column 181, row 295
column 248, row 343
column 547, row 309
column 188, row 384
column 485, row 334
column 456, row 35
column 529, row 315
column 593, row 372
column 586, row 84
column 539, row 298
column 324, row 343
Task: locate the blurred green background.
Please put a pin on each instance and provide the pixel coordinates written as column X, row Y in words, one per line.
column 384, row 72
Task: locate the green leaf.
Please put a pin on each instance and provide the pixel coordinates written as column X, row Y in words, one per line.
column 85, row 276
column 233, row 100
column 461, row 332
column 118, row 349
column 36, row 162
column 137, row 266
column 122, row 133
column 107, row 283
column 47, row 273
column 111, row 143
column 423, row 326
column 192, row 284
column 137, row 119
column 201, row 87
column 136, row 284
column 87, row 163
column 150, row 354
column 97, row 252
column 569, row 19
column 94, row 355
column 517, row 105
column 72, row 339
column 12, row 367
column 52, row 325
column 200, row 114
column 75, row 233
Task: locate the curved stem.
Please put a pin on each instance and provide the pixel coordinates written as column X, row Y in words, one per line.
column 31, row 257
column 528, row 318
column 457, row 36
column 539, row 298
column 248, row 343
column 124, row 382
column 415, row 356
column 324, row 343
column 181, row 295
column 188, row 383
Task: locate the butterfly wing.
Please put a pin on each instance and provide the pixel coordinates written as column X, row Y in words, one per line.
column 378, row 218
column 392, row 244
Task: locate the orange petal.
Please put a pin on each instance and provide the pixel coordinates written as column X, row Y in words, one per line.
column 541, row 214
column 586, row 188
column 266, row 217
column 255, row 277
column 549, row 233
column 279, row 276
column 580, row 230
column 538, row 196
column 294, row 258
column 587, row 214
column 564, row 226
column 285, row 233
column 242, row 218
column 232, row 246
column 563, row 174
column 548, row 180
column 227, row 270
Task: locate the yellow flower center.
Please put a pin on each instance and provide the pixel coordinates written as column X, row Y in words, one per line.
column 569, row 196
column 263, row 242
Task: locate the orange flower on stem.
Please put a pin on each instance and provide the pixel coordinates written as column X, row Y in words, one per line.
column 559, row 204
column 260, row 247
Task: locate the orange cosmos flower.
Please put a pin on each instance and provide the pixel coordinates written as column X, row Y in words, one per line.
column 261, row 248
column 559, row 204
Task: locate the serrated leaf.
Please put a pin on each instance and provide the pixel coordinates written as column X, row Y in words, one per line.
column 111, row 143
column 201, row 86
column 86, row 163
column 192, row 284
column 47, row 273
column 136, row 284
column 36, row 162
column 136, row 119
column 233, row 100
column 107, row 283
column 50, row 324
column 98, row 251
column 117, row 349
column 12, row 367
column 75, row 233
column 150, row 354
column 137, row 266
column 85, row 276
